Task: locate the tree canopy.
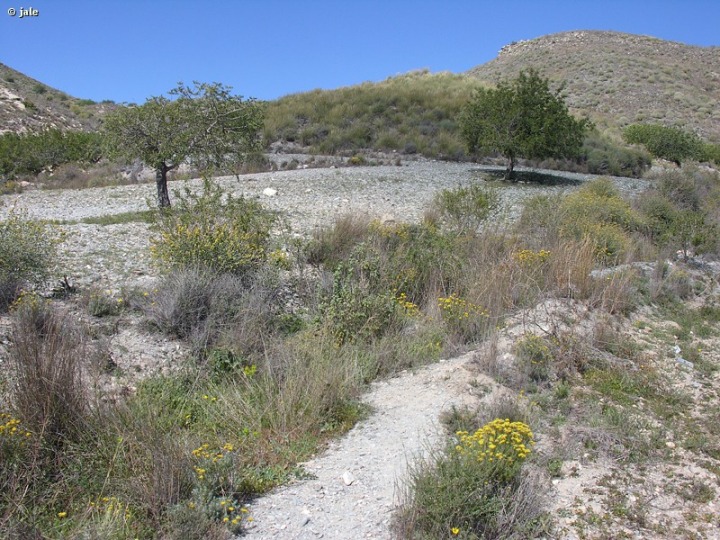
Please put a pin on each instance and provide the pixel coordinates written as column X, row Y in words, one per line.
column 664, row 142
column 204, row 124
column 522, row 118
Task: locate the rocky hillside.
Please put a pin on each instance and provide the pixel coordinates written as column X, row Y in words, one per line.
column 615, row 78
column 618, row 79
column 29, row 105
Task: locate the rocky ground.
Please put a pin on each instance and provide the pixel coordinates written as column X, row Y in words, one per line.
column 351, row 488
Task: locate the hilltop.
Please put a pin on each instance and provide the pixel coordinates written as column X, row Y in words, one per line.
column 619, row 79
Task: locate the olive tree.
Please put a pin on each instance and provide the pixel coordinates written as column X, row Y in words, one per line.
column 522, row 118
column 204, row 124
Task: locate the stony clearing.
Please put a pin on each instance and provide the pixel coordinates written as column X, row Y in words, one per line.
column 350, row 489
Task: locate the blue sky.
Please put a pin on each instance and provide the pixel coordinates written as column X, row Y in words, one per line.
column 128, row 50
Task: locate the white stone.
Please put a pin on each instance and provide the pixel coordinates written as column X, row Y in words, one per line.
column 348, row 478
column 269, row 192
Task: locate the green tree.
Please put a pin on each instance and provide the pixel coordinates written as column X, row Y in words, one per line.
column 522, row 118
column 204, row 124
column 663, row 142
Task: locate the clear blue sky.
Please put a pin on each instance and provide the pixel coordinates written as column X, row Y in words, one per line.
column 128, row 50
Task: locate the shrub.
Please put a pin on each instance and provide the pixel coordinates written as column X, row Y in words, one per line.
column 710, row 152
column 47, row 350
column 417, row 260
column 27, row 255
column 597, row 212
column 475, row 488
column 213, row 230
column 671, row 143
column 32, row 153
column 681, row 210
column 356, row 310
column 466, row 207
column 534, row 357
column 102, row 303
column 213, row 310
column 330, row 245
column 602, row 156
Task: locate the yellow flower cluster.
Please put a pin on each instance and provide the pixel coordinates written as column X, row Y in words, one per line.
column 10, row 428
column 390, row 230
column 530, row 258
column 233, row 514
column 411, row 309
column 280, row 259
column 110, row 508
column 28, row 300
column 456, row 309
column 223, row 246
column 500, row 441
column 211, row 455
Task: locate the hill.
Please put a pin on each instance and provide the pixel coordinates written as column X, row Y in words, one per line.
column 619, row 79
column 615, row 78
column 28, row 105
column 412, row 113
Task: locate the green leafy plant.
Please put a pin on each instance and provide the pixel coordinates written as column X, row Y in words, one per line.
column 466, row 207
column 213, row 230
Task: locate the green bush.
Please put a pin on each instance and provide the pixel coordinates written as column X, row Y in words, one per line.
column 213, row 230
column 534, row 357
column 671, row 143
column 601, row 156
column 681, row 210
column 27, row 255
column 465, row 208
column 32, row 153
column 475, row 488
column 357, row 310
column 598, row 212
column 711, row 153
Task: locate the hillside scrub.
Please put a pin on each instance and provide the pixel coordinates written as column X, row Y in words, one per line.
column 409, row 114
column 268, row 379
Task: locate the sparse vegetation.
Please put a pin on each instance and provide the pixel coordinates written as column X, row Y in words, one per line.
column 595, row 323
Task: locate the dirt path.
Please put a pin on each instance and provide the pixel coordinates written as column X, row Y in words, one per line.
column 371, row 458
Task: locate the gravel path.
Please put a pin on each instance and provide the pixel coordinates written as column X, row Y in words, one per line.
column 352, row 490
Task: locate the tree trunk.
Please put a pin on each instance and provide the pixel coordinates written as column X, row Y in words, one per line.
column 161, row 182
column 510, row 167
